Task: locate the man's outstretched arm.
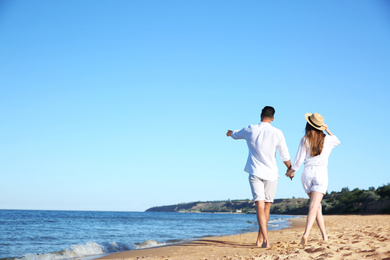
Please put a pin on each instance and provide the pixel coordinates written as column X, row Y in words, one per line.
column 229, row 133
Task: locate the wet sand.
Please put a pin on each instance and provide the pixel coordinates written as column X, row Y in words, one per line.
column 350, row 237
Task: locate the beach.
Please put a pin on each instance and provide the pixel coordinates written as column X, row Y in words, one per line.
column 350, row 237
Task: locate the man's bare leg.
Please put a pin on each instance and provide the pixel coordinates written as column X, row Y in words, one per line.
column 263, row 212
column 260, row 237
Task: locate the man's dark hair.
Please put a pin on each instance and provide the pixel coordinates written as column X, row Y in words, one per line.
column 268, row 112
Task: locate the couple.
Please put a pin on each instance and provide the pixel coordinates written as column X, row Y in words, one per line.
column 263, row 141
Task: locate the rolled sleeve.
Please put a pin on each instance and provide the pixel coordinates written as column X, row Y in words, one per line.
column 239, row 134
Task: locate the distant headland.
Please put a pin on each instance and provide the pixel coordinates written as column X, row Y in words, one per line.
column 371, row 201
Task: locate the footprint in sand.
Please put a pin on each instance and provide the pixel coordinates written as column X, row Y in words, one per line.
column 325, row 256
column 367, row 251
column 372, row 255
column 314, row 250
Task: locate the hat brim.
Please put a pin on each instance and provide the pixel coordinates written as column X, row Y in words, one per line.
column 322, row 128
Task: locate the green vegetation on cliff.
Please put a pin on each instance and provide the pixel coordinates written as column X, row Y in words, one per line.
column 358, row 201
column 371, row 201
column 245, row 206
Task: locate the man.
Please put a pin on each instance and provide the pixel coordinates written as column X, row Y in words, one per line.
column 263, row 141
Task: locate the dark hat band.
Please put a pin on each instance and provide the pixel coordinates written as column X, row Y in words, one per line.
column 319, row 126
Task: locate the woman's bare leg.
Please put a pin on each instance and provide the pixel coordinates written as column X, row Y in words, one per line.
column 321, row 223
column 315, row 203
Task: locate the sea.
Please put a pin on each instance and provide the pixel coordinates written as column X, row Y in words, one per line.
column 44, row 235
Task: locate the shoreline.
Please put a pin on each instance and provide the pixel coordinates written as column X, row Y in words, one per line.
column 350, row 237
column 159, row 251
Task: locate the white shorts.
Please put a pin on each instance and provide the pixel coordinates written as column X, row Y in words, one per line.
column 262, row 189
column 315, row 178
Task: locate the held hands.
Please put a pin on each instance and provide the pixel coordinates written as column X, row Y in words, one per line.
column 290, row 173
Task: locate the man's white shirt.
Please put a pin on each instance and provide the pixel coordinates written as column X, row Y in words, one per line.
column 263, row 141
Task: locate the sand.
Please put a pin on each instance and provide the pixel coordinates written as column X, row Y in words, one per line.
column 350, row 237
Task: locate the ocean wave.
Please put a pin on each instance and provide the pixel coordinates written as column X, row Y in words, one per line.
column 277, row 220
column 273, row 225
column 91, row 249
column 148, row 244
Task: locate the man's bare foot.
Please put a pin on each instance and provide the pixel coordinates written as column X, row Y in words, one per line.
column 259, row 241
column 266, row 245
column 303, row 241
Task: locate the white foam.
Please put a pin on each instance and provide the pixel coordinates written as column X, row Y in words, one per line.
column 81, row 250
column 90, row 249
column 149, row 243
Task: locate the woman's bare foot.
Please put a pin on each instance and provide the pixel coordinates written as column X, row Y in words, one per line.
column 303, row 241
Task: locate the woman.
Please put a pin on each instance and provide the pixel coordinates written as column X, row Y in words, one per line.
column 314, row 150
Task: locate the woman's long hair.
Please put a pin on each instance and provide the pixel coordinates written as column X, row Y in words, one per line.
column 315, row 139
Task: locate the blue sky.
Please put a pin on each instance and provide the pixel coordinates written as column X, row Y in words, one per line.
column 124, row 105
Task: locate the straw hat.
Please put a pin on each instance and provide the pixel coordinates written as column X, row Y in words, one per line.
column 315, row 120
